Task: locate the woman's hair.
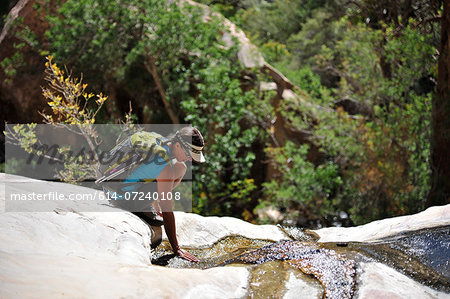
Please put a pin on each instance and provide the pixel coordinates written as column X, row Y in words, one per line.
column 189, row 134
column 192, row 135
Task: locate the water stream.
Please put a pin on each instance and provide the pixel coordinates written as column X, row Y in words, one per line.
column 330, row 269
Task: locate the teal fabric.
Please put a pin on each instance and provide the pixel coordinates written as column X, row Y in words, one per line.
column 148, row 171
column 145, row 173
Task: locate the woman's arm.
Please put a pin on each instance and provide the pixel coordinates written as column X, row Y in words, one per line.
column 169, row 178
column 170, row 228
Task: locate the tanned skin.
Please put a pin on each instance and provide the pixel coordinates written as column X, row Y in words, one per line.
column 167, row 180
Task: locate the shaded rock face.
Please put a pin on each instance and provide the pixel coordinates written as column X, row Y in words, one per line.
column 354, row 107
column 21, row 97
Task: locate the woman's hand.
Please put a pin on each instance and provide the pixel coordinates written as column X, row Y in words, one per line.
column 186, row 255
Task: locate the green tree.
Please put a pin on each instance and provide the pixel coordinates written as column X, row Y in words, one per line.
column 276, row 20
column 385, row 162
column 382, row 155
column 177, row 50
column 302, row 187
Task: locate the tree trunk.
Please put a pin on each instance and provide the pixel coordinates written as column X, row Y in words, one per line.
column 440, row 143
column 153, row 71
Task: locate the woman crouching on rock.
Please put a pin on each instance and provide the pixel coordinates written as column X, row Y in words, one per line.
column 166, row 166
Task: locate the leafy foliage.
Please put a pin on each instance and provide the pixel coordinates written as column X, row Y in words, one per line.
column 386, row 67
column 301, row 183
column 218, row 110
column 25, row 42
column 68, row 102
column 372, row 161
column 68, row 99
column 195, row 75
column 277, row 20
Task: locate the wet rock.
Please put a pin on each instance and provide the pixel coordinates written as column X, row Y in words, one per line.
column 431, row 217
column 302, row 284
column 380, row 281
column 210, row 256
column 267, row 280
column 335, row 273
column 72, row 253
column 421, row 255
column 198, row 231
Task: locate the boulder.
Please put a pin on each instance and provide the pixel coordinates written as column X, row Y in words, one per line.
column 354, row 107
column 94, row 254
column 380, row 281
column 21, row 96
column 376, row 230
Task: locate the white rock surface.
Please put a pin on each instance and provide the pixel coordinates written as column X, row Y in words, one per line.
column 198, row 231
column 296, row 286
column 100, row 255
column 70, row 253
column 380, row 281
column 373, row 231
column 69, row 197
column 38, row 275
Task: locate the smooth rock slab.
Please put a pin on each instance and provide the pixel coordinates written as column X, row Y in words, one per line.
column 198, row 231
column 94, row 254
column 376, row 230
column 47, row 276
column 120, row 237
column 107, row 255
column 380, row 281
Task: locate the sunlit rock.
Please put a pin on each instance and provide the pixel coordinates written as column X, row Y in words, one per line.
column 380, row 281
column 301, row 285
column 68, row 252
column 88, row 255
column 198, row 231
column 431, row 217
